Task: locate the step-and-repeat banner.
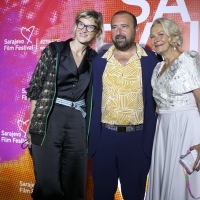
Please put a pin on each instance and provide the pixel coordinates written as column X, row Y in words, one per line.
column 26, row 27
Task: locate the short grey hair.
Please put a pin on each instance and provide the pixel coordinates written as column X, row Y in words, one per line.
column 171, row 29
column 98, row 19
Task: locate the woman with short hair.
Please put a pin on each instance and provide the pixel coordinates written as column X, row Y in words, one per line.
column 60, row 94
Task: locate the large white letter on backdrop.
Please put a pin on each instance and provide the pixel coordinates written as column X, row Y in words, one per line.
column 143, row 4
column 182, row 10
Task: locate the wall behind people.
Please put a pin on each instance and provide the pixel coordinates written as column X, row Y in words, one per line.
column 27, row 26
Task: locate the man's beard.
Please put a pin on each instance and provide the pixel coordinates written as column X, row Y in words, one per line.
column 124, row 44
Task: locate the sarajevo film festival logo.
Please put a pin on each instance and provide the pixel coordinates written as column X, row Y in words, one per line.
column 23, row 126
column 27, row 33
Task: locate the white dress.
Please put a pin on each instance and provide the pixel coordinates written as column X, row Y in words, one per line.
column 177, row 129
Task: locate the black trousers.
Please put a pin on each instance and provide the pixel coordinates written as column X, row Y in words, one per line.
column 60, row 163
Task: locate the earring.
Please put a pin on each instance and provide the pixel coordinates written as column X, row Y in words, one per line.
column 174, row 45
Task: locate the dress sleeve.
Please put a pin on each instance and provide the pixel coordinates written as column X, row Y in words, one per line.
column 191, row 80
column 39, row 75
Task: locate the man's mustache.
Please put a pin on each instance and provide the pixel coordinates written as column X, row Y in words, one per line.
column 120, row 37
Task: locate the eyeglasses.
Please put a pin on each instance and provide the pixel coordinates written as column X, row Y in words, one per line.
column 89, row 28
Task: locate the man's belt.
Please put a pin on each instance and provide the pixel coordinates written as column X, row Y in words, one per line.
column 123, row 128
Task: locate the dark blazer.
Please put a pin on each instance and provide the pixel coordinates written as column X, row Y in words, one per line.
column 148, row 63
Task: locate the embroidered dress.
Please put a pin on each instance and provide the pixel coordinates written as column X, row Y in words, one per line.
column 178, row 128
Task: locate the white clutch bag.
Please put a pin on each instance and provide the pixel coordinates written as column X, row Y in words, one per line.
column 188, row 160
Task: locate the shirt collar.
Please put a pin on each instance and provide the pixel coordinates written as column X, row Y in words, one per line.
column 140, row 52
column 90, row 53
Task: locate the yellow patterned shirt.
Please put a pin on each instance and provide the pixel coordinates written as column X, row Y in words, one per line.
column 122, row 101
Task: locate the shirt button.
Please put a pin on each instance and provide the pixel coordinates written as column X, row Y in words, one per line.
column 72, row 93
column 73, row 85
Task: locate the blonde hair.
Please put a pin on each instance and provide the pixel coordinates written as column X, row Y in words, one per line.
column 98, row 19
column 172, row 31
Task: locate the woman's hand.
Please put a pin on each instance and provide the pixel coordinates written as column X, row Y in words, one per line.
column 197, row 162
column 28, row 135
column 157, row 110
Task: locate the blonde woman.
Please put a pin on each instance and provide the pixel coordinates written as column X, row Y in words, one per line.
column 60, row 104
column 176, row 90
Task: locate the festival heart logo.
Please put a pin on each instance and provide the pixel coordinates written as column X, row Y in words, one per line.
column 23, row 126
column 27, row 33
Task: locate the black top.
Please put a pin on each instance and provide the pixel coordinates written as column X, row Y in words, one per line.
column 73, row 81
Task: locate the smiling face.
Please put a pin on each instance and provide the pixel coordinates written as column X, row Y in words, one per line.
column 123, row 31
column 82, row 34
column 159, row 40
